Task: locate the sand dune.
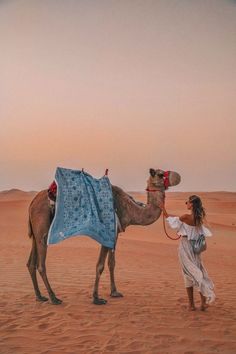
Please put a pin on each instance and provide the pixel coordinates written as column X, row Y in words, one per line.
column 151, row 318
column 16, row 194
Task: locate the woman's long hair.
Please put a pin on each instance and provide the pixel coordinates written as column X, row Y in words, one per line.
column 198, row 210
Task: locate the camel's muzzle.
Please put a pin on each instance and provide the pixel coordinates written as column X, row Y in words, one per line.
column 171, row 179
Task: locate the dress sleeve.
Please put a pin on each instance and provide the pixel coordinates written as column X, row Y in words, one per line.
column 174, row 222
column 206, row 231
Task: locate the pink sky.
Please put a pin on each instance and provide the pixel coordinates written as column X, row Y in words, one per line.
column 124, row 85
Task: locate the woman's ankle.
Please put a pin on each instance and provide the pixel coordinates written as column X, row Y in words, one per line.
column 192, row 307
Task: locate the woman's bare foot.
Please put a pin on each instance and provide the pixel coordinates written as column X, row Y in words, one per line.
column 204, row 307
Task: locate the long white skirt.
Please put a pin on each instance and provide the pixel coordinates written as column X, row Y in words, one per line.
column 193, row 270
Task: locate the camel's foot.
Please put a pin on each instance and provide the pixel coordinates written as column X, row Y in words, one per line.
column 99, row 301
column 55, row 301
column 41, row 298
column 116, row 294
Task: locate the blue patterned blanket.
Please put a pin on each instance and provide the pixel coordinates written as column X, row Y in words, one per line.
column 84, row 206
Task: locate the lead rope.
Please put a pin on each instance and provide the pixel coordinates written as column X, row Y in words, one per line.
column 164, row 225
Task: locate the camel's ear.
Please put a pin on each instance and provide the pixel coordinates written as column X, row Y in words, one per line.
column 152, row 172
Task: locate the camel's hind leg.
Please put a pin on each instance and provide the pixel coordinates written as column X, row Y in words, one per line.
column 111, row 266
column 99, row 270
column 42, row 253
column 32, row 265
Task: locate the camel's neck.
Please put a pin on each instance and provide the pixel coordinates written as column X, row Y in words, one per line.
column 151, row 212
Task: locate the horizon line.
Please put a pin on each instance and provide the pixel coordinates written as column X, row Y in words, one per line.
column 130, row 191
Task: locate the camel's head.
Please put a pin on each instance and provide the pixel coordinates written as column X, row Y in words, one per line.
column 160, row 179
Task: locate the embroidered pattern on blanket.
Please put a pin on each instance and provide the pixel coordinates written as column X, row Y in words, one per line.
column 84, row 206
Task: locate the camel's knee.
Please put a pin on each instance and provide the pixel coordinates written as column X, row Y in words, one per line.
column 28, row 263
column 100, row 268
column 42, row 269
column 31, row 267
column 31, row 264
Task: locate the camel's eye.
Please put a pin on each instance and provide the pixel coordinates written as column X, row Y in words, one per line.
column 152, row 172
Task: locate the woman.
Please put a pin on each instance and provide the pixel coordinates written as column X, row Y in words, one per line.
column 190, row 226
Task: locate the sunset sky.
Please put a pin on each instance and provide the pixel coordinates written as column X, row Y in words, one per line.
column 125, row 85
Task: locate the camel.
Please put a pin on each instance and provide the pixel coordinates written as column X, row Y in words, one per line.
column 128, row 211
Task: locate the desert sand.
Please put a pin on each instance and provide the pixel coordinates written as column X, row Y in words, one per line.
column 152, row 317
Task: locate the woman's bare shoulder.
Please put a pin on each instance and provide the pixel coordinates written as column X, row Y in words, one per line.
column 184, row 217
column 188, row 219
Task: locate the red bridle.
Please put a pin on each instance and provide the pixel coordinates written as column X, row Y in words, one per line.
column 166, row 179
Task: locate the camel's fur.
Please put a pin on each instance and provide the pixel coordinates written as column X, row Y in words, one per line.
column 129, row 213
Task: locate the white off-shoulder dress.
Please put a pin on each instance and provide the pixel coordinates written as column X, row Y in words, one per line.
column 193, row 270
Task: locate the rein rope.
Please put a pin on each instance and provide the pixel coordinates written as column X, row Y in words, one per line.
column 164, row 225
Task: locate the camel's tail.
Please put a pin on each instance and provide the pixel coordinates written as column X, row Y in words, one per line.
column 30, row 230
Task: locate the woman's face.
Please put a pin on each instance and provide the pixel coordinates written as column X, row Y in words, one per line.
column 189, row 205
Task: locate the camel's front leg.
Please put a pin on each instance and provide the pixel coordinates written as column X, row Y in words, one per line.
column 111, row 265
column 99, row 270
